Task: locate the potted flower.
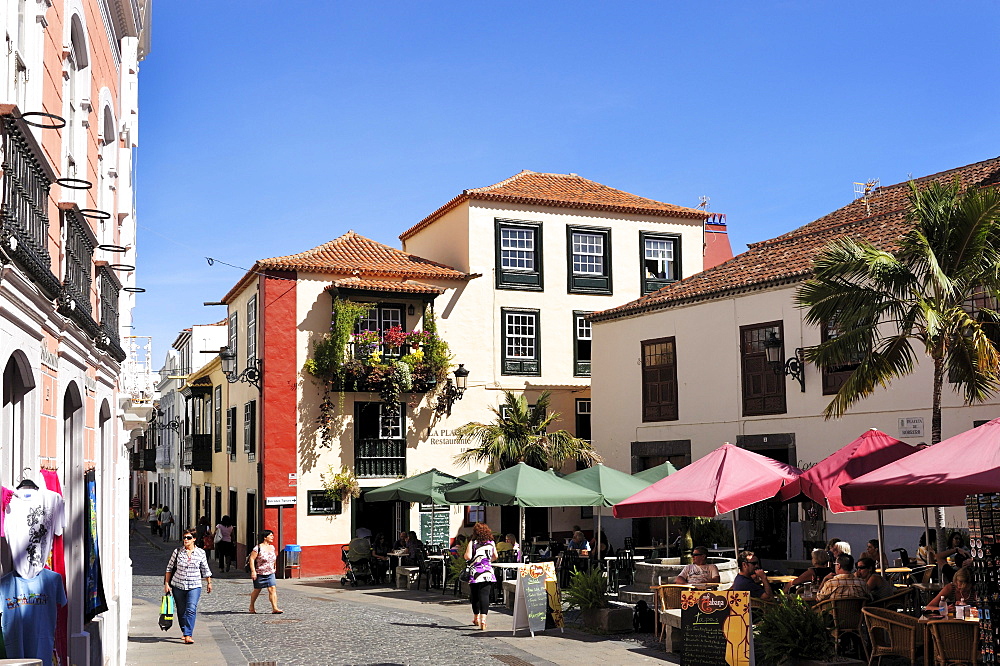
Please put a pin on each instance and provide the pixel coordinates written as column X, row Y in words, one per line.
column 791, row 633
column 342, row 485
column 588, row 591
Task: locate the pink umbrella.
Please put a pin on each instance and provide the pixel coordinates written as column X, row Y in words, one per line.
column 940, row 475
column 821, row 483
column 728, row 478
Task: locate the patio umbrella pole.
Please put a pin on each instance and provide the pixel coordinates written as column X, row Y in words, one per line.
column 599, row 512
column 736, row 539
column 881, row 544
column 521, row 526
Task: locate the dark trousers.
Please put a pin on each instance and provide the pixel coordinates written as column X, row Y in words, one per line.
column 227, row 554
column 480, row 596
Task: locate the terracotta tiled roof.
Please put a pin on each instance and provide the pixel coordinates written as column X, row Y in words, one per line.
column 563, row 191
column 789, row 257
column 386, row 286
column 354, row 254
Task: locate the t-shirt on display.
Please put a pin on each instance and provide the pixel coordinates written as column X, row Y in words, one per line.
column 29, row 614
column 32, row 518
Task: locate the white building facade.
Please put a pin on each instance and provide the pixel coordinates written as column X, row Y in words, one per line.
column 683, row 371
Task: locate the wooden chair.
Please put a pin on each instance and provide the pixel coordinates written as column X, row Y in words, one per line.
column 955, row 641
column 667, row 597
column 892, row 634
column 846, row 618
column 903, row 600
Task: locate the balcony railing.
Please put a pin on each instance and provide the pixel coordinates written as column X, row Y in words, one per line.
column 24, row 221
column 149, row 460
column 198, row 452
column 109, row 288
column 380, row 458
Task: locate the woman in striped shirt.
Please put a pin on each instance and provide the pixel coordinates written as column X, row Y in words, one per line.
column 187, row 566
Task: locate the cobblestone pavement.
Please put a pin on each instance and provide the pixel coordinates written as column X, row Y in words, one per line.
column 324, row 623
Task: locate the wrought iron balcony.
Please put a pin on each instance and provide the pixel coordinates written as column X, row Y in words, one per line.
column 109, row 288
column 198, row 452
column 24, row 221
column 380, row 458
column 149, row 460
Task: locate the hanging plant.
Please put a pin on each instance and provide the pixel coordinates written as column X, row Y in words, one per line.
column 437, row 355
column 326, row 417
column 342, row 485
column 396, row 381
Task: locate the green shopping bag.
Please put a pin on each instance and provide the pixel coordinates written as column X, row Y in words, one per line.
column 166, row 612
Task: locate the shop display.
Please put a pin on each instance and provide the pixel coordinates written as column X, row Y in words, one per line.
column 30, row 607
column 32, row 518
column 983, row 513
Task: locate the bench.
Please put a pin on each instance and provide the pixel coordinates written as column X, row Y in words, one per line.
column 509, row 591
column 405, row 576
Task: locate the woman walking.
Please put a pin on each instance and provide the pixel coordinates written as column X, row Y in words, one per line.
column 482, row 552
column 226, row 543
column 262, row 563
column 187, row 566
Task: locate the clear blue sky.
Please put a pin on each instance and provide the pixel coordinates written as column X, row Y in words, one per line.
column 267, row 128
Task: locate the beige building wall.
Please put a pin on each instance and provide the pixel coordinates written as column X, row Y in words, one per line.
column 710, row 394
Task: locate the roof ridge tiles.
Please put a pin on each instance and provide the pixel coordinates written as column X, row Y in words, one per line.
column 788, row 258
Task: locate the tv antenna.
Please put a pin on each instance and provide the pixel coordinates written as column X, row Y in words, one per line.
column 703, row 202
column 864, row 191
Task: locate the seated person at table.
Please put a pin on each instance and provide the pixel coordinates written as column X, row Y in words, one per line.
column 959, row 589
column 605, row 547
column 511, row 541
column 579, row 543
column 400, row 543
column 751, row 577
column 878, row 587
column 380, row 556
column 830, row 555
column 842, row 583
column 873, row 551
column 927, row 557
column 699, row 572
column 814, row 574
column 413, row 548
column 957, row 552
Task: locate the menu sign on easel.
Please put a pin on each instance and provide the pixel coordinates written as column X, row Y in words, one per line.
column 716, row 628
column 536, row 596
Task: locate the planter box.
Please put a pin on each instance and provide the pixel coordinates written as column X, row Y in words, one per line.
column 610, row 620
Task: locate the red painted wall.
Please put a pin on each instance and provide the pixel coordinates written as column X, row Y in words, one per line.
column 279, row 440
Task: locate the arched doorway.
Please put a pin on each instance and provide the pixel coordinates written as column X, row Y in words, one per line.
column 18, row 382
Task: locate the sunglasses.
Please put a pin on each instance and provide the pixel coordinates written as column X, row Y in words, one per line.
column 188, row 537
column 756, row 563
column 699, row 554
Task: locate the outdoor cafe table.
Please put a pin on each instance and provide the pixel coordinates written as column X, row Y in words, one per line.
column 898, row 574
column 508, row 570
column 781, row 579
column 925, row 623
column 395, row 557
column 444, row 565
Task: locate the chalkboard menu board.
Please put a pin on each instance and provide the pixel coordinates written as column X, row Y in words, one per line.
column 716, row 628
column 434, row 527
column 536, row 597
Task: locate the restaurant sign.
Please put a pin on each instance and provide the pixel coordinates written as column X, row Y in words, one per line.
column 537, row 598
column 912, row 426
column 716, row 628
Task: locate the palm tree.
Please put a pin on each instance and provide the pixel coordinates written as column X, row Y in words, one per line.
column 520, row 433
column 938, row 291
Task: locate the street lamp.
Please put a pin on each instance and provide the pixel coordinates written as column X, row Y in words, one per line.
column 172, row 424
column 251, row 374
column 794, row 367
column 453, row 392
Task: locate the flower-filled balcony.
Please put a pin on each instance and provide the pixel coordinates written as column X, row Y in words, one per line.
column 389, row 362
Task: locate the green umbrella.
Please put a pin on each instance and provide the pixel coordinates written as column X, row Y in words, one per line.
column 613, row 487
column 522, row 485
column 428, row 488
column 474, row 475
column 654, row 474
